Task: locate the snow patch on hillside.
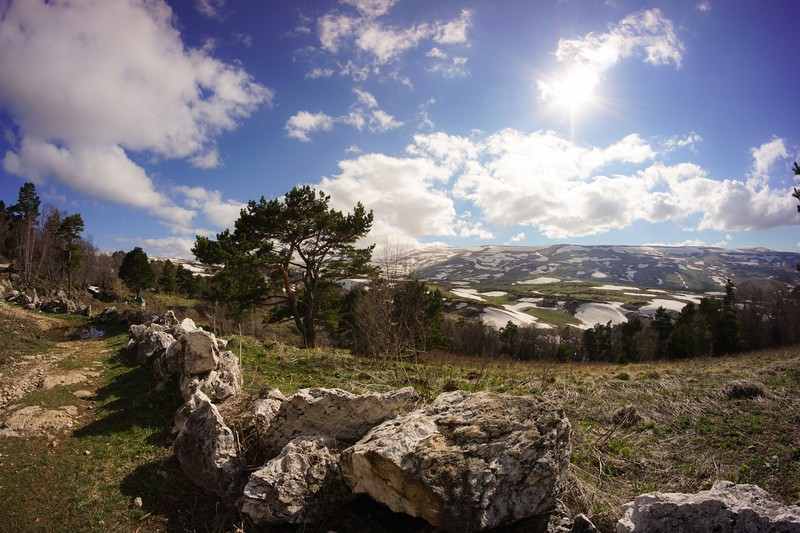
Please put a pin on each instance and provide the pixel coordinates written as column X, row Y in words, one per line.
column 539, row 281
column 597, row 313
column 498, row 318
column 470, row 294
column 670, row 305
column 609, row 287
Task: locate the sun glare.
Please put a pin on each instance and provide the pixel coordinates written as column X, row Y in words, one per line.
column 577, row 88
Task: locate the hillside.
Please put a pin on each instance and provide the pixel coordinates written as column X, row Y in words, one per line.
column 662, row 267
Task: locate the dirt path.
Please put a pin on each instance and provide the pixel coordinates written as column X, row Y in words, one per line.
column 66, row 363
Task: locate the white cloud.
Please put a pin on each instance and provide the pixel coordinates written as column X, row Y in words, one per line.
column 302, row 123
column 355, row 118
column 455, row 31
column 764, row 157
column 90, row 82
column 456, row 68
column 423, row 116
column 704, row 6
column 69, row 72
column 170, row 247
column 364, row 113
column 648, row 31
column 319, row 72
column 210, row 159
column 466, row 228
column 380, row 121
column 645, row 32
column 437, row 53
column 675, row 142
column 221, row 213
column 371, row 8
column 388, row 43
column 102, row 172
column 562, row 188
column 734, row 205
column 210, row 8
column 401, row 192
column 365, row 98
column 333, row 28
column 375, row 47
column 449, row 151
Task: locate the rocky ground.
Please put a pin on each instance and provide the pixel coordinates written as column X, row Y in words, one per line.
column 43, row 371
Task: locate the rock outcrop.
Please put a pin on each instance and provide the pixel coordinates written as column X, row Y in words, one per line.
column 299, row 486
column 333, row 413
column 223, row 382
column 152, row 344
column 726, row 507
column 194, row 356
column 467, row 462
column 206, row 449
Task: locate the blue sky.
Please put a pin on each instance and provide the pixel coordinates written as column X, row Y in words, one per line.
column 457, row 122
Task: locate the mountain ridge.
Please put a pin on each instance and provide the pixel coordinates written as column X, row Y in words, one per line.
column 694, row 268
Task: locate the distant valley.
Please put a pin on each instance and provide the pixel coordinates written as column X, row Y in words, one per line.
column 583, row 285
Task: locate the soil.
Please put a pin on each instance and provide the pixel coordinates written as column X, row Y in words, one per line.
column 27, row 374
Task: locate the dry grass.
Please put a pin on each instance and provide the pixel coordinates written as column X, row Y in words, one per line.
column 689, row 435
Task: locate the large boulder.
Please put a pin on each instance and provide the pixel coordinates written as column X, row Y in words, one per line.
column 467, row 462
column 300, row 486
column 261, row 410
column 177, row 329
column 152, row 344
column 195, row 352
column 201, row 352
column 725, row 507
column 218, row 384
column 333, row 413
column 206, row 449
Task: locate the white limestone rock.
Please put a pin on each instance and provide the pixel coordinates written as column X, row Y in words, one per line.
column 333, row 413
column 299, row 486
column 725, row 507
column 467, row 462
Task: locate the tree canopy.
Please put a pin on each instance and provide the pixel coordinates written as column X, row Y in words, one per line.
column 298, row 245
column 69, row 230
column 167, row 281
column 136, row 271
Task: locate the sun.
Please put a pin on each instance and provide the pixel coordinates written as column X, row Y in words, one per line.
column 576, row 88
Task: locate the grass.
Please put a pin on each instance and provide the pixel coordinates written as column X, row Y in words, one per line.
column 688, row 437
column 86, row 480
column 556, row 317
column 22, row 335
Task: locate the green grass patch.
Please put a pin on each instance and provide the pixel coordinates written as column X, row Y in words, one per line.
column 556, row 317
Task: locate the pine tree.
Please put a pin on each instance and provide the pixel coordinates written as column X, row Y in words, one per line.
column 136, row 271
column 25, row 216
column 167, row 282
column 299, row 246
column 70, row 231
